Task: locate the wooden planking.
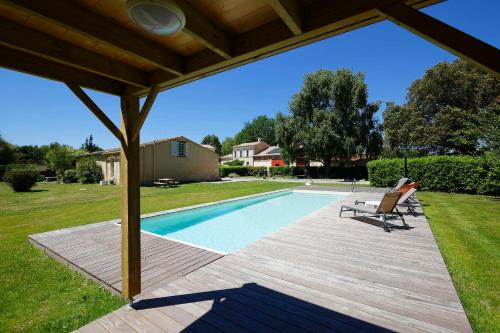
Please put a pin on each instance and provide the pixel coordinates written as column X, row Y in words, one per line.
column 95, row 251
column 323, row 273
column 455, row 41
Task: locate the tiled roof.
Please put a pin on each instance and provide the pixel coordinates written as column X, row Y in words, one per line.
column 272, row 150
column 117, row 150
column 250, row 144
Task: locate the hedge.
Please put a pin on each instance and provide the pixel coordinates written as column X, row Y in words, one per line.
column 358, row 172
column 460, row 174
column 240, row 170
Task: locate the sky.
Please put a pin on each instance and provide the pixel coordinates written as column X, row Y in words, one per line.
column 38, row 111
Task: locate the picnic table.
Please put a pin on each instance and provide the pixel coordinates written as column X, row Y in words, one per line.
column 166, row 182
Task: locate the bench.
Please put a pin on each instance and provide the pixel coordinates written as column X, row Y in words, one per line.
column 166, row 182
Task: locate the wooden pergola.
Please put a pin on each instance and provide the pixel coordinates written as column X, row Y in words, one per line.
column 94, row 44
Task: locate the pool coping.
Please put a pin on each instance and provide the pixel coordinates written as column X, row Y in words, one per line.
column 213, row 203
column 180, row 209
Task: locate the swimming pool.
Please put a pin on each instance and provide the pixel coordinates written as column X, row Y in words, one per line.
column 229, row 226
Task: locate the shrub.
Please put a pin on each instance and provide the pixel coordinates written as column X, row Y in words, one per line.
column 224, row 171
column 21, row 179
column 280, row 171
column 87, row 171
column 258, row 171
column 462, row 174
column 70, row 176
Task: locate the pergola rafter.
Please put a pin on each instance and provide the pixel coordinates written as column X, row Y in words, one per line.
column 64, row 42
column 290, row 13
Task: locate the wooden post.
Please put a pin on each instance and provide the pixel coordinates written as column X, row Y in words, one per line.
column 130, row 197
column 130, row 155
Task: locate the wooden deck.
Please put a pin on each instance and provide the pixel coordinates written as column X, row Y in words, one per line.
column 320, row 274
column 94, row 250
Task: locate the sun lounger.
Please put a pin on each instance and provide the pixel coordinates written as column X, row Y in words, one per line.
column 386, row 210
column 400, row 183
column 406, row 200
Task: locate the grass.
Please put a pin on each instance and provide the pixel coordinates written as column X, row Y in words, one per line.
column 37, row 294
column 40, row 295
column 467, row 230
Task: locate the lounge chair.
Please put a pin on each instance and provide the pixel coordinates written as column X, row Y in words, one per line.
column 406, row 200
column 386, row 210
column 400, row 183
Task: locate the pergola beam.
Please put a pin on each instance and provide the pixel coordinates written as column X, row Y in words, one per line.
column 81, row 20
column 455, row 41
column 31, row 64
column 89, row 103
column 28, row 40
column 200, row 28
column 290, row 13
column 148, row 103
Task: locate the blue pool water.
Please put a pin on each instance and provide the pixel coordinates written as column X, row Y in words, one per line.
column 227, row 227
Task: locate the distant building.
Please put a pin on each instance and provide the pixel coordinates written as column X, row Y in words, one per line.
column 178, row 158
column 260, row 154
column 245, row 151
column 269, row 157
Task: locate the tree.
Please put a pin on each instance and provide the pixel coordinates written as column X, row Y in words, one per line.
column 87, row 171
column 213, row 140
column 330, row 117
column 489, row 120
column 31, row 154
column 60, row 158
column 227, row 146
column 260, row 127
column 451, row 109
column 89, row 145
column 7, row 154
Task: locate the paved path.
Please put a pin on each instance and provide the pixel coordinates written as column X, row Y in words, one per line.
column 320, row 274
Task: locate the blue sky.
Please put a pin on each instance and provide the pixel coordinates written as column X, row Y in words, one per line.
column 39, row 111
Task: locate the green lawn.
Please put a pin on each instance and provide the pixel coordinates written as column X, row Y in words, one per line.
column 37, row 294
column 467, row 230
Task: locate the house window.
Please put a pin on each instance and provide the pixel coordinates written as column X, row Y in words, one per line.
column 178, row 148
column 182, row 149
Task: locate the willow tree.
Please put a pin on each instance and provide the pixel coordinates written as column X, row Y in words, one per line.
column 330, row 117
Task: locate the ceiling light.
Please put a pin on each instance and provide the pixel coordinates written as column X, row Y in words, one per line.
column 161, row 17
